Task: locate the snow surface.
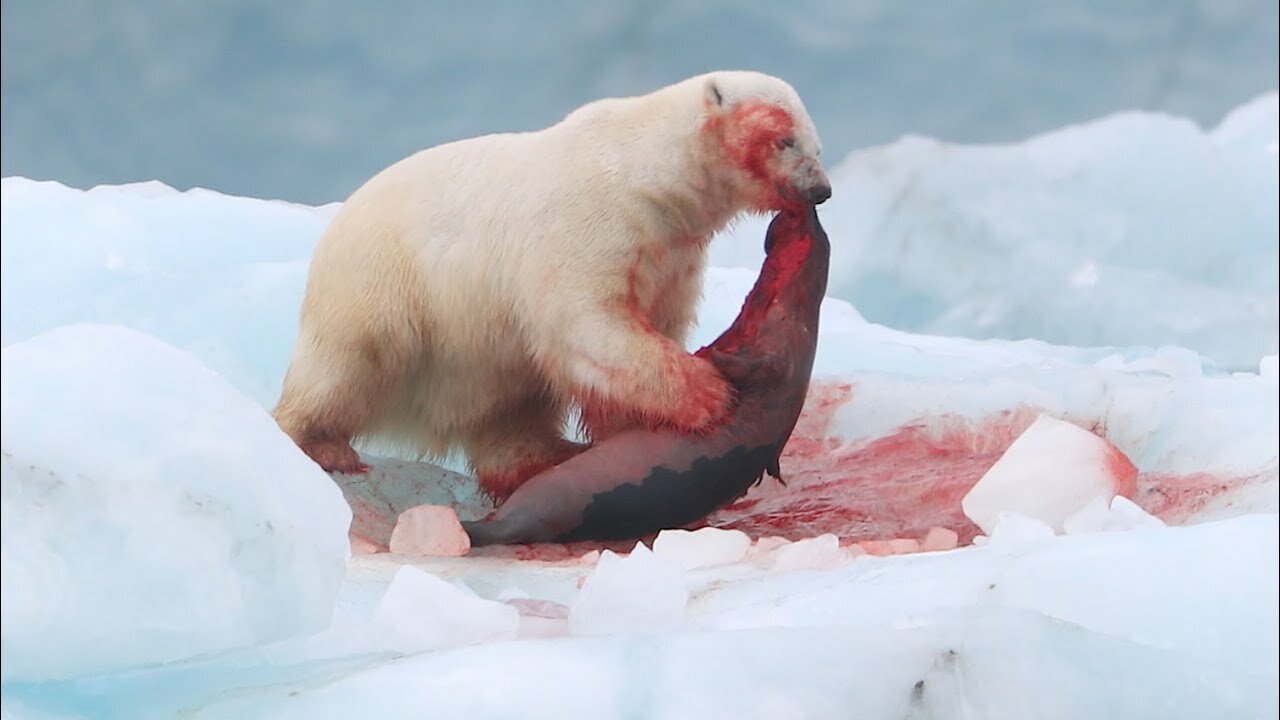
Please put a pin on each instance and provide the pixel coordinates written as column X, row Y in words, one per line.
column 124, row 598
column 1168, row 623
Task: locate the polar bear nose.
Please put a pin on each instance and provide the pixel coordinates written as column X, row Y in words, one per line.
column 819, row 194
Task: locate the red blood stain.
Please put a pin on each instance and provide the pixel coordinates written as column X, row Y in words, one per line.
column 784, row 262
column 896, row 486
column 697, row 399
column 690, row 399
column 1174, row 498
column 1122, row 471
column 752, row 136
column 639, row 277
column 500, row 485
column 906, row 483
column 889, row 488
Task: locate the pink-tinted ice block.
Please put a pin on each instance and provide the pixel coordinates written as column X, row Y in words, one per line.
column 429, row 530
column 1049, row 473
column 938, row 539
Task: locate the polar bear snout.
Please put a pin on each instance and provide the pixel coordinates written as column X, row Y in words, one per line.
column 819, row 194
column 809, row 184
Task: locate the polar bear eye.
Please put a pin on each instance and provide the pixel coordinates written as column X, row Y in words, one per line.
column 786, row 143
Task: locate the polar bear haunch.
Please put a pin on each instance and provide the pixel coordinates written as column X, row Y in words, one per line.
column 468, row 294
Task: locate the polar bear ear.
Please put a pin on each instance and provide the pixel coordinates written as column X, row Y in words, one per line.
column 713, row 93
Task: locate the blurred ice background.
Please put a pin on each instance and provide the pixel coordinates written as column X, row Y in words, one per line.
column 304, row 99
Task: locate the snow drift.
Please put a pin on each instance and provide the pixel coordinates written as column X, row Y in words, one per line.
column 150, row 511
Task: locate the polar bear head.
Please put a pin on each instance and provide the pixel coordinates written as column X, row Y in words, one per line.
column 767, row 137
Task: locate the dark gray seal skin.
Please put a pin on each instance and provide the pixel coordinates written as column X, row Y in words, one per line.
column 639, row 482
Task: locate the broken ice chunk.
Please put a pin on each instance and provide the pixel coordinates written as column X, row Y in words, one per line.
column 1128, row 515
column 904, row 546
column 1015, row 530
column 429, row 530
column 1049, row 473
column 151, row 512
column 938, row 539
column 816, row 553
column 879, row 548
column 893, row 546
column 1121, row 514
column 768, row 544
column 636, row 593
column 420, row 612
column 701, row 548
column 1090, row 518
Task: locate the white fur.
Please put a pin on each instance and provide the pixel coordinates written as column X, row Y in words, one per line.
column 467, row 293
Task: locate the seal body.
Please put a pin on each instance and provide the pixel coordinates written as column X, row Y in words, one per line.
column 638, row 482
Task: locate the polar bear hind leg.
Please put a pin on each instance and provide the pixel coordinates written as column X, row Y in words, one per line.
column 516, row 444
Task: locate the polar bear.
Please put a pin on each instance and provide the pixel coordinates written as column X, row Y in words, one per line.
column 468, row 295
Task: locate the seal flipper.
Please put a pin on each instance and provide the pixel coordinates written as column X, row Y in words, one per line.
column 773, row 469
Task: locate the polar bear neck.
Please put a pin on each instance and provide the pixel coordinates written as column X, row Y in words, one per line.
column 656, row 145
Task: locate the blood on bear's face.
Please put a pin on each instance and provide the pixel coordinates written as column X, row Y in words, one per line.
column 777, row 154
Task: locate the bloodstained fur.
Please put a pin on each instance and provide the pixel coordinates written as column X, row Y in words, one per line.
column 753, row 135
column 750, row 138
column 696, row 403
column 500, row 485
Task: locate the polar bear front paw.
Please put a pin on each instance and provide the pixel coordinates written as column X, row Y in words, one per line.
column 703, row 399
